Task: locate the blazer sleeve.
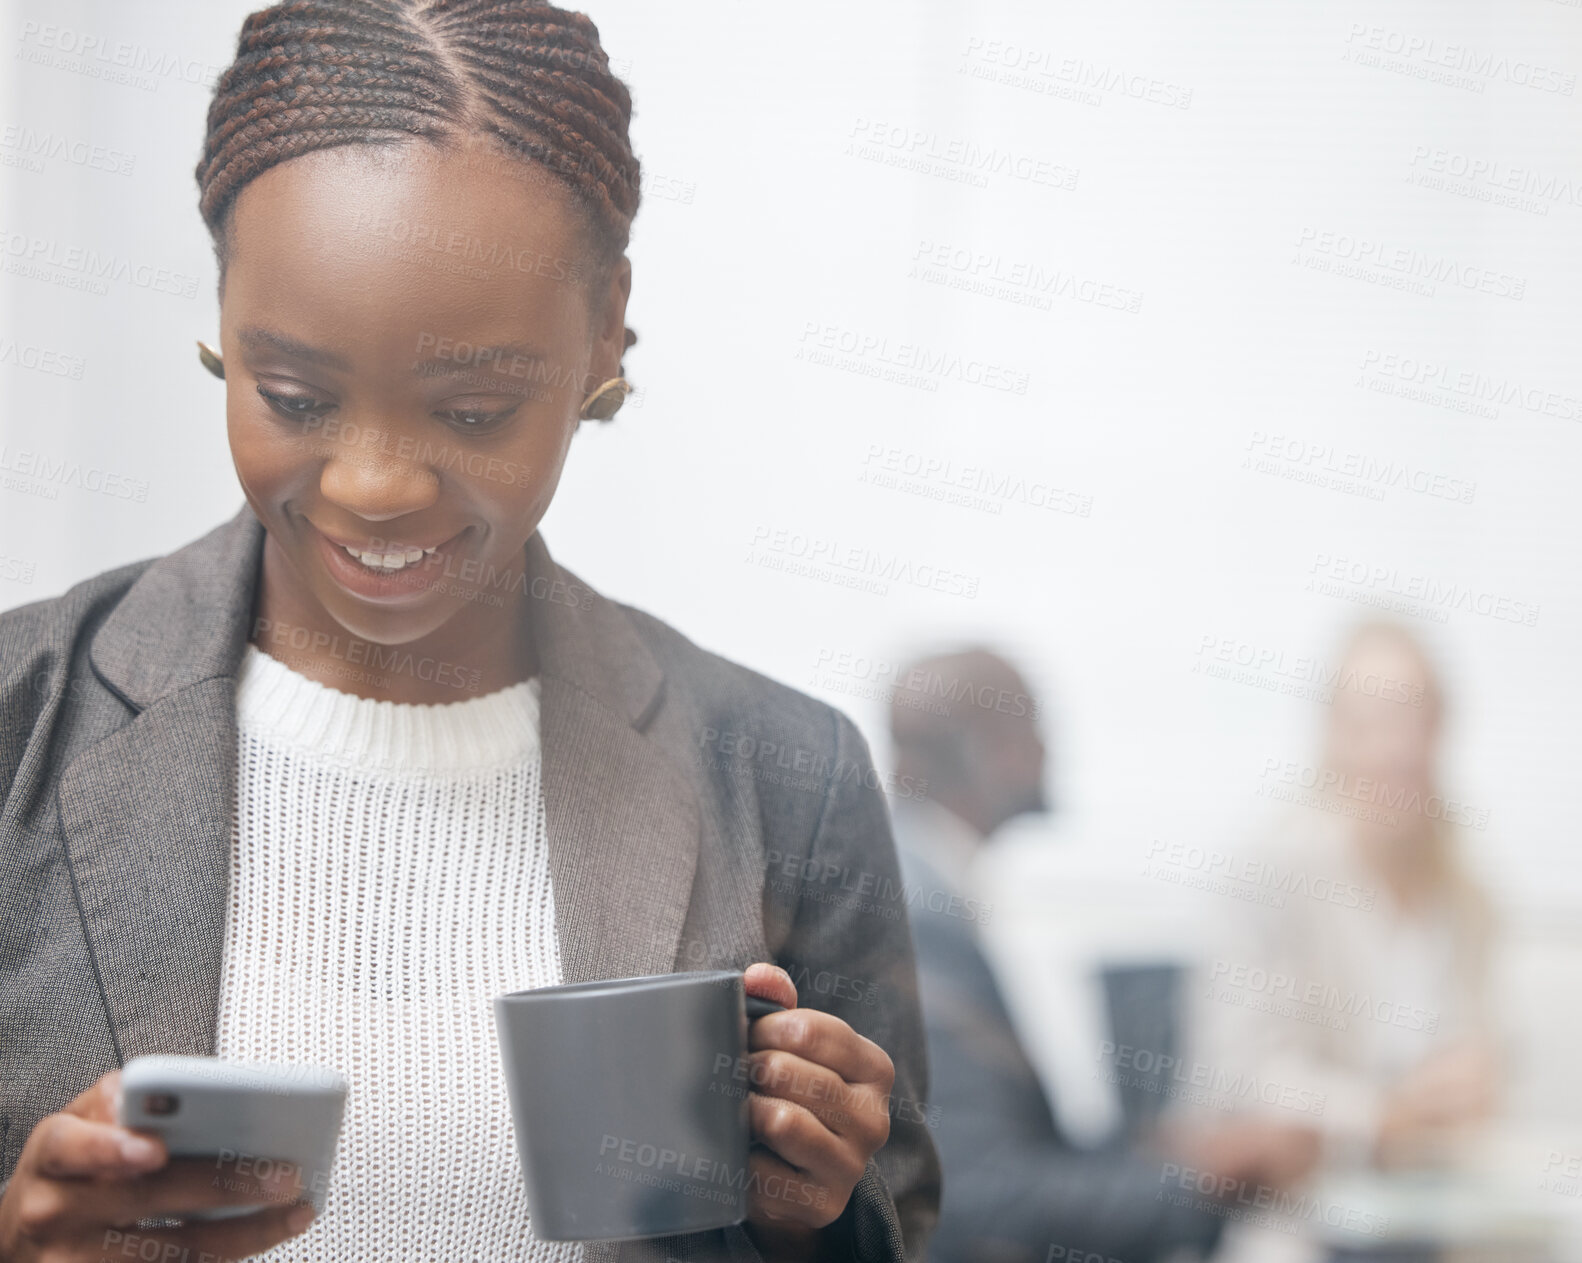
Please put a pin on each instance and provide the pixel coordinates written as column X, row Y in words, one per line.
column 849, row 950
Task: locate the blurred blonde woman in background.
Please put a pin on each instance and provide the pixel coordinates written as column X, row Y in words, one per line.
column 1356, row 1003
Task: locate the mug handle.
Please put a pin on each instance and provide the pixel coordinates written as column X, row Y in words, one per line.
column 758, row 1006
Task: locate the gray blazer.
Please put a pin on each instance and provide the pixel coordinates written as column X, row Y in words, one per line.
column 696, row 811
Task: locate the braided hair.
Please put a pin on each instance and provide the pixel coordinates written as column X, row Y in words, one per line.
column 312, row 74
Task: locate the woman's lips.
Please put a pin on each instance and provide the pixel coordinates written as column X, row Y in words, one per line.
column 386, row 585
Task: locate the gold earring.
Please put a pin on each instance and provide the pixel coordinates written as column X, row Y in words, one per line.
column 606, row 401
column 211, row 360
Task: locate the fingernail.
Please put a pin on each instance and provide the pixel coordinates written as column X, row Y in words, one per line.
column 299, row 1218
column 138, row 1151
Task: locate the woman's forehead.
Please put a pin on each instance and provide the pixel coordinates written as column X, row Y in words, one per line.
column 462, row 202
column 413, row 224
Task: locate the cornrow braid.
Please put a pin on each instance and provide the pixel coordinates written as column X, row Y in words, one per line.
column 312, row 74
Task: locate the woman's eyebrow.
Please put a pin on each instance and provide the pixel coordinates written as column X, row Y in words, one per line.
column 452, row 357
column 256, row 337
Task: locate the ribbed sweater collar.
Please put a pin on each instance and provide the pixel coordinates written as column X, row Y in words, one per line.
column 478, row 733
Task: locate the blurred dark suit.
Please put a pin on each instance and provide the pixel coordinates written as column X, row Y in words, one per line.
column 1014, row 1188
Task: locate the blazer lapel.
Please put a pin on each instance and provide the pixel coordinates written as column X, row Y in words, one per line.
column 622, row 813
column 145, row 814
column 623, row 816
column 147, row 810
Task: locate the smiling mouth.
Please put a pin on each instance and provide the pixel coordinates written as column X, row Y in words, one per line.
column 389, row 562
column 382, row 569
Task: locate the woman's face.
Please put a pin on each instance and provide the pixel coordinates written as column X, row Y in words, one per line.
column 1383, row 723
column 408, row 334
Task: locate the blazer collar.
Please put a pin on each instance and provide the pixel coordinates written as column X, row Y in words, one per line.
column 146, row 811
column 188, row 617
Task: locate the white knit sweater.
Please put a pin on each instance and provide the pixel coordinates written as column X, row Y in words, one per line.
column 389, row 878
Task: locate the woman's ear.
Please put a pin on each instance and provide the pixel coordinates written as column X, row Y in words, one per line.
column 631, row 341
column 611, row 336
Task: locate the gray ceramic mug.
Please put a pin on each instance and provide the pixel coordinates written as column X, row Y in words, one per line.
column 629, row 1097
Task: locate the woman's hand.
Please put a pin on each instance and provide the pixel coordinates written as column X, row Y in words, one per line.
column 1261, row 1152
column 1455, row 1087
column 820, row 1108
column 83, row 1182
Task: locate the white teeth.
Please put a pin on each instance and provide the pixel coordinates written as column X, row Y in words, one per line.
column 390, row 561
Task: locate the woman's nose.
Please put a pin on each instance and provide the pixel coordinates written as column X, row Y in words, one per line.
column 377, row 486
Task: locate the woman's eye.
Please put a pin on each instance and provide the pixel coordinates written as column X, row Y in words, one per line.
column 477, row 418
column 295, row 406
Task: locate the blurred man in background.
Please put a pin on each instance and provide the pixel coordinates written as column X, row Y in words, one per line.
column 1015, row 1189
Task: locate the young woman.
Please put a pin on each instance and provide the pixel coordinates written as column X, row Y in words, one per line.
column 1385, row 1040
column 317, row 786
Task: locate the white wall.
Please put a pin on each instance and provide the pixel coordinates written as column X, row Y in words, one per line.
column 768, row 219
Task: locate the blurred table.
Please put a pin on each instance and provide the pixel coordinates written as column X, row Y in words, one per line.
column 1448, row 1216
column 1503, row 1194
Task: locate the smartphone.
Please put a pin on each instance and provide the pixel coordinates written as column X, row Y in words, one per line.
column 257, row 1115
